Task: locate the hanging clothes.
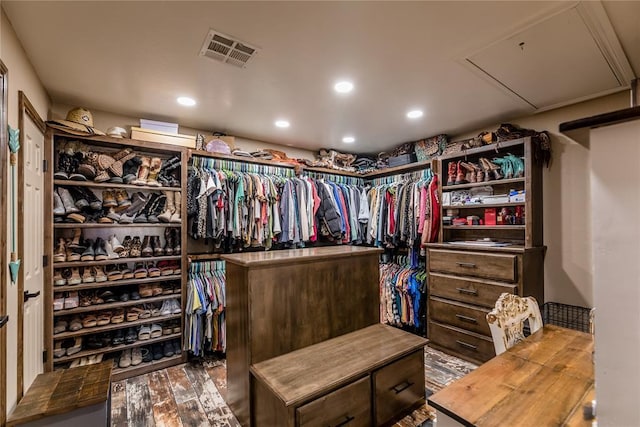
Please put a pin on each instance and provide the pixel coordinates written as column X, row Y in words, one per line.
column 402, row 291
column 400, row 208
column 205, row 328
column 241, row 209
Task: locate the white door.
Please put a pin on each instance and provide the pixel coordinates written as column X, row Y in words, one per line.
column 33, row 325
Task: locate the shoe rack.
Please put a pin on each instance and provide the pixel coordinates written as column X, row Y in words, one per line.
column 115, row 264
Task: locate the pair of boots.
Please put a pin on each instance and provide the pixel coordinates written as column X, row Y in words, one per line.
column 153, row 207
column 71, row 201
column 148, row 171
column 172, row 208
column 172, row 241
column 467, row 172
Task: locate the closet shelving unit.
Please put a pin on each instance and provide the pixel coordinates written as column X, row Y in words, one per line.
column 55, row 230
column 465, row 280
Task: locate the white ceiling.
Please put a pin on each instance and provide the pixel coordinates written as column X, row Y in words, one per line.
column 135, row 58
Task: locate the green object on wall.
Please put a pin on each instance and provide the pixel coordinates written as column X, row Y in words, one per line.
column 14, row 146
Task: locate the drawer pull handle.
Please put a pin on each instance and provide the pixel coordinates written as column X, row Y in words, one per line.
column 467, row 345
column 467, row 291
column 401, row 387
column 347, row 420
column 466, row 318
column 467, row 264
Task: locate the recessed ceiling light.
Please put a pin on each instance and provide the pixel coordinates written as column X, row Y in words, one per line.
column 415, row 114
column 282, row 123
column 348, row 139
column 186, row 101
column 343, row 87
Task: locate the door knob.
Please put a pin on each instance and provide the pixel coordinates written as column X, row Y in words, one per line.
column 27, row 295
column 3, row 320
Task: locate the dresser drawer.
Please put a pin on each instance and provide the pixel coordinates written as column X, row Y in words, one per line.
column 349, row 405
column 469, row 290
column 467, row 345
column 398, row 386
column 458, row 314
column 488, row 265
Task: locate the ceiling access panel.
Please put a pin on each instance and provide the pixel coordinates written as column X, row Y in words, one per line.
column 569, row 57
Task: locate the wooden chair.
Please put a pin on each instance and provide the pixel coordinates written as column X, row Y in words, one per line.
column 506, row 320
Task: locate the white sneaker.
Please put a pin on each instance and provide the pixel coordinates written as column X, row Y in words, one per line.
column 110, row 253
column 166, row 308
column 176, row 308
column 116, row 245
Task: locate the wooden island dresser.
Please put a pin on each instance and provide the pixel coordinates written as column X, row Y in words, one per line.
column 305, row 343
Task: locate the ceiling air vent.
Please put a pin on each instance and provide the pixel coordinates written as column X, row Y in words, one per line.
column 227, row 49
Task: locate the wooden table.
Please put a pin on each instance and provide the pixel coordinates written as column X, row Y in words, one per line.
column 67, row 397
column 543, row 381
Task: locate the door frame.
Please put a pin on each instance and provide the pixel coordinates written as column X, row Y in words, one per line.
column 26, row 109
column 4, row 72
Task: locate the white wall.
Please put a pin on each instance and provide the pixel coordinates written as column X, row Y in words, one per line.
column 22, row 77
column 615, row 201
column 104, row 120
column 567, row 206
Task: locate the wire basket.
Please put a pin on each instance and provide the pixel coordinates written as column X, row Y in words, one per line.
column 567, row 316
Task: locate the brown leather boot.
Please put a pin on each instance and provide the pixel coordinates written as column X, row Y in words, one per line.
column 147, row 250
column 154, row 169
column 169, row 243
column 451, row 175
column 460, row 174
column 157, row 246
column 143, row 171
column 470, row 175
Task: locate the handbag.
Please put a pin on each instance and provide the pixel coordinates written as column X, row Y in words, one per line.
column 430, row 147
column 453, row 147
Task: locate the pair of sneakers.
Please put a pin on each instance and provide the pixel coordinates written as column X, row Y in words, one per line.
column 170, row 306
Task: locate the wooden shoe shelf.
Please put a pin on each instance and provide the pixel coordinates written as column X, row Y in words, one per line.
column 472, row 265
column 54, row 230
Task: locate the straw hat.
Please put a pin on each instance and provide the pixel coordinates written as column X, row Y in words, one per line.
column 79, row 121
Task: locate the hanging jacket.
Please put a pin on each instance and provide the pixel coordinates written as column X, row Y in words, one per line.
column 328, row 214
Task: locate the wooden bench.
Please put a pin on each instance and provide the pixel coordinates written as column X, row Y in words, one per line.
column 363, row 378
column 67, row 397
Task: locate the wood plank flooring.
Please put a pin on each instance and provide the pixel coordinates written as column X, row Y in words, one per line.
column 193, row 394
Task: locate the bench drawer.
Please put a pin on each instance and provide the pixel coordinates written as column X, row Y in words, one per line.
column 467, row 345
column 349, row 405
column 488, row 265
column 398, row 386
column 461, row 315
column 472, row 291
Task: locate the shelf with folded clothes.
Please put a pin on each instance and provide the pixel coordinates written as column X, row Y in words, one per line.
column 109, row 185
column 114, row 348
column 483, row 183
column 113, row 305
column 121, row 373
column 114, row 326
column 115, row 261
column 114, row 283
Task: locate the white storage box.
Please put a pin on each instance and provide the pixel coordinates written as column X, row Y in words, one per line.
column 496, row 198
column 161, row 126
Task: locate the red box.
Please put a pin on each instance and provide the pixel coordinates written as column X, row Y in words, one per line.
column 490, row 216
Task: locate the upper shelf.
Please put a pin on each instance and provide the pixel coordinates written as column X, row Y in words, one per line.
column 107, row 141
column 496, row 147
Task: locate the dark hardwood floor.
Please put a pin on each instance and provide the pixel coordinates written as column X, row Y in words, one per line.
column 193, row 394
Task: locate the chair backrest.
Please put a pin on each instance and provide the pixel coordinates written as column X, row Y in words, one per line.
column 506, row 320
